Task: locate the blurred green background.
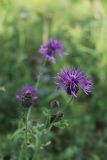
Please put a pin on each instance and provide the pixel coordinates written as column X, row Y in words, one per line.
column 82, row 26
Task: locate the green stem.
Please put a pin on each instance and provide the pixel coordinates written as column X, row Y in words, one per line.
column 26, row 123
column 28, row 113
column 26, row 131
column 69, row 102
column 39, row 76
column 26, row 136
column 21, row 152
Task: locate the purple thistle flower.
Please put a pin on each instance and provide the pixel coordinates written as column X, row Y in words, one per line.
column 27, row 96
column 71, row 80
column 49, row 49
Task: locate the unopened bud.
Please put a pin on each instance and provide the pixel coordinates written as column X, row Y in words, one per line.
column 34, row 122
column 55, row 129
column 54, row 104
column 56, row 117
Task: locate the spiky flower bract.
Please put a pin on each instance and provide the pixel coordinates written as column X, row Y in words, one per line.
column 27, row 96
column 71, row 80
column 49, row 49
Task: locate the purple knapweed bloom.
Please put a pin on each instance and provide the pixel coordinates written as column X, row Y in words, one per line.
column 27, row 96
column 49, row 49
column 71, row 80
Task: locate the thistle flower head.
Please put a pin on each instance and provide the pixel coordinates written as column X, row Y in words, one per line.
column 71, row 80
column 49, row 49
column 27, row 96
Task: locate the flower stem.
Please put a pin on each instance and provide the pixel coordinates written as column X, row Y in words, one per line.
column 39, row 76
column 69, row 102
column 28, row 113
column 26, row 139
column 23, row 150
column 26, row 130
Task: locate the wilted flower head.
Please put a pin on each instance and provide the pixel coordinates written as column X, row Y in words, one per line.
column 71, row 80
column 49, row 49
column 27, row 96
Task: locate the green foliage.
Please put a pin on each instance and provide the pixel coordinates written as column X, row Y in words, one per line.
column 81, row 26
